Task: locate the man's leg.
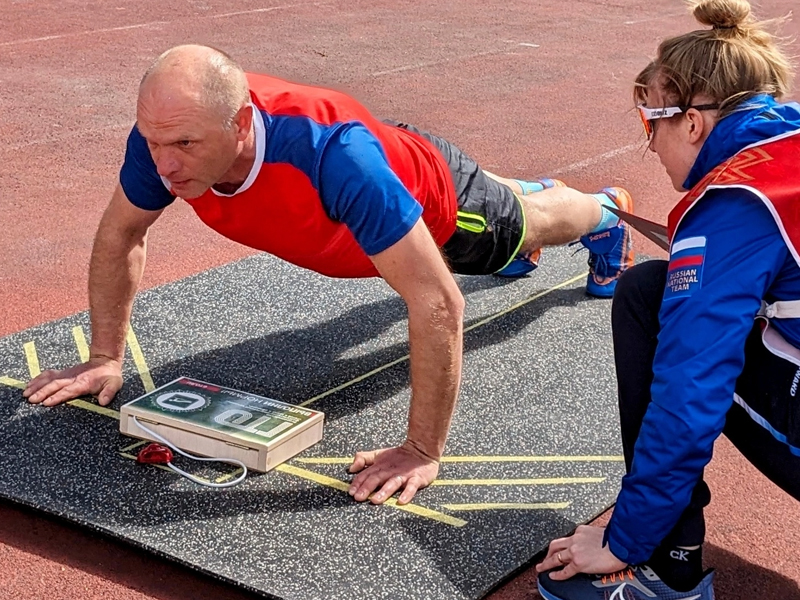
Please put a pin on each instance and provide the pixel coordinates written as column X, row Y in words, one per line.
column 556, row 214
column 497, row 226
column 635, row 327
column 523, row 188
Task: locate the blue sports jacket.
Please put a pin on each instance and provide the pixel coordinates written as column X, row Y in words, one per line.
column 731, row 234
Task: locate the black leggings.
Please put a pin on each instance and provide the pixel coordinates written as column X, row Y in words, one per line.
column 764, row 384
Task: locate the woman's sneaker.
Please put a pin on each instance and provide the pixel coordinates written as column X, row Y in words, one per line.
column 634, row 583
column 610, row 250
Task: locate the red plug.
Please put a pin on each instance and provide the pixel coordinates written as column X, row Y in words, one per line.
column 154, row 454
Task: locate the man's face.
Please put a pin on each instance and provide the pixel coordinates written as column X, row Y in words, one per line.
column 190, row 144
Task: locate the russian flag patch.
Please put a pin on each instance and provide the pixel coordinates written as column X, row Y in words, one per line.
column 685, row 273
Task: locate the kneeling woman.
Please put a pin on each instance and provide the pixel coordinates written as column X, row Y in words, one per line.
column 708, row 342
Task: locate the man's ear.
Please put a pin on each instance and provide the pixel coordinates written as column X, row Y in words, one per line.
column 242, row 121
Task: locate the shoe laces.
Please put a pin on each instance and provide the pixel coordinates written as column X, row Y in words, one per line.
column 598, row 263
column 619, row 575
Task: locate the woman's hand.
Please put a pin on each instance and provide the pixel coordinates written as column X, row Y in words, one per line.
column 582, row 552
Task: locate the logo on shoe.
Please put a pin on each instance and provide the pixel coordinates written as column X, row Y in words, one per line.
column 600, row 236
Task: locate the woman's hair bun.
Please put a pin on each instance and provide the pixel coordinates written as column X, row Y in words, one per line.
column 721, row 14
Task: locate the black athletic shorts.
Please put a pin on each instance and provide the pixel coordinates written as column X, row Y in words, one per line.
column 491, row 224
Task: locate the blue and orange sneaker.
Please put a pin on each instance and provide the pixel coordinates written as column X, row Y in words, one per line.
column 634, row 583
column 523, row 264
column 610, row 250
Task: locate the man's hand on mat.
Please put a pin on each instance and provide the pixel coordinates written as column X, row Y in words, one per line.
column 582, row 552
column 391, row 469
column 100, row 377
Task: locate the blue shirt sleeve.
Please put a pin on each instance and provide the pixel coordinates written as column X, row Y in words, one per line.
column 139, row 178
column 358, row 188
column 726, row 255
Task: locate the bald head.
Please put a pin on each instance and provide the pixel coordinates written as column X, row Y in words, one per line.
column 198, row 75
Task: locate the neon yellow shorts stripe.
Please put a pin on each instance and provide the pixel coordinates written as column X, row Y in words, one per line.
column 470, row 222
column 522, row 237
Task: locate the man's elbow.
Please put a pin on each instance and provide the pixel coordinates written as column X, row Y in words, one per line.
column 444, row 309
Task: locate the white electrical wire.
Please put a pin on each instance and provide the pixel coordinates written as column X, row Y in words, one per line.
column 230, row 461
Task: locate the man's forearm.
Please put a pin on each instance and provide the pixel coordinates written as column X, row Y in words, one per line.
column 436, row 340
column 114, row 274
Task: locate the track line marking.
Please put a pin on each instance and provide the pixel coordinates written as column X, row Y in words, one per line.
column 32, row 358
column 162, row 467
column 535, row 481
column 508, row 506
column 355, row 380
column 139, row 361
column 80, row 343
column 52, row 139
column 235, row 473
column 134, row 445
column 344, row 486
column 404, row 358
column 444, row 61
column 95, row 408
column 15, row 383
column 60, row 36
column 656, row 18
column 343, row 460
column 596, row 159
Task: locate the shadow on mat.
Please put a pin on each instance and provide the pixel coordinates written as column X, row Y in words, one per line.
column 294, row 366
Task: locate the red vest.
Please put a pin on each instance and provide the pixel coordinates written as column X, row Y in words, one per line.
column 281, row 213
column 769, row 169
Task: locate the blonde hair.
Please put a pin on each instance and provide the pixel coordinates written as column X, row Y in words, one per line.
column 730, row 63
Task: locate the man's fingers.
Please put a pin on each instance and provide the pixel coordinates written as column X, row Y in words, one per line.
column 108, row 391
column 412, row 485
column 67, row 392
column 47, row 390
column 106, row 396
column 38, row 382
column 391, row 485
column 369, row 485
column 362, row 460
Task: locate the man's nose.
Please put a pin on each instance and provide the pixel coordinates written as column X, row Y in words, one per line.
column 166, row 163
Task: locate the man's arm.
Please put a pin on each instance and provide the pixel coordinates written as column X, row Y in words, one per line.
column 358, row 187
column 115, row 270
column 415, row 269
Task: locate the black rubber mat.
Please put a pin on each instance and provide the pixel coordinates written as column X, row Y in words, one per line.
column 533, row 450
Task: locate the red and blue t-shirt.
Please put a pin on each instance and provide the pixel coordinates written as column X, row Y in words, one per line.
column 331, row 184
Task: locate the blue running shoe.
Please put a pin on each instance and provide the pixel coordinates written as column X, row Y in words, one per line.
column 634, row 583
column 521, row 265
column 610, row 250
